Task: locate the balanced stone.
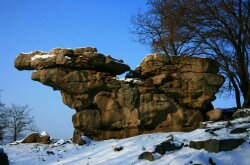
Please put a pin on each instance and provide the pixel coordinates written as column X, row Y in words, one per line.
column 163, row 93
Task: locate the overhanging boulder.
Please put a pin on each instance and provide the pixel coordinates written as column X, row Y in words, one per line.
column 167, row 94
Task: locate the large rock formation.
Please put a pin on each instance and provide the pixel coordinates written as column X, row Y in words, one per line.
column 162, row 94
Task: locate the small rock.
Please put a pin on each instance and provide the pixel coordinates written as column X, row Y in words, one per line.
column 118, row 148
column 197, row 144
column 36, row 138
column 214, row 145
column 214, row 115
column 147, row 156
column 32, row 138
column 3, row 157
column 50, row 153
column 241, row 113
column 211, row 161
column 238, row 130
column 165, row 146
column 81, row 141
column 213, row 129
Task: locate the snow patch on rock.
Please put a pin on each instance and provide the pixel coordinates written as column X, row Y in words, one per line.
column 44, row 133
column 44, row 56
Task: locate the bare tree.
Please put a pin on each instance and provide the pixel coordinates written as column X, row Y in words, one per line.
column 3, row 123
column 3, row 120
column 218, row 29
column 162, row 28
column 19, row 120
column 1, row 104
column 223, row 29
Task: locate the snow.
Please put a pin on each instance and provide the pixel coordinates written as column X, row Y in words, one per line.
column 67, row 57
column 16, row 142
column 129, row 80
column 244, row 110
column 44, row 56
column 102, row 152
column 44, row 133
column 60, row 142
column 86, row 139
column 118, row 61
column 27, row 52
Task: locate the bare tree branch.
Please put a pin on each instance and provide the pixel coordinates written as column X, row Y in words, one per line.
column 19, row 120
column 211, row 28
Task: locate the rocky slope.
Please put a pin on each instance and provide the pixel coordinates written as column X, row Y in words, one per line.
column 221, row 143
column 162, row 94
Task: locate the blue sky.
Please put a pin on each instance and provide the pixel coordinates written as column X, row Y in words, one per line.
column 28, row 25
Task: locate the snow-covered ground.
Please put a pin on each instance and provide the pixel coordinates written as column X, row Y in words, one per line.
column 103, row 153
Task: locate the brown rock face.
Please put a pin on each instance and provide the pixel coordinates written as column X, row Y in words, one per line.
column 147, row 156
column 32, row 138
column 45, row 139
column 215, row 145
column 168, row 94
column 215, row 114
column 36, row 138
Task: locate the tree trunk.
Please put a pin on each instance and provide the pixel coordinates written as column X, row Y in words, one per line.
column 14, row 138
column 15, row 135
column 237, row 97
column 246, row 103
column 1, row 133
column 237, row 93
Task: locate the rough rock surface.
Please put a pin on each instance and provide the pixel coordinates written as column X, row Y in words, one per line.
column 146, row 156
column 165, row 146
column 239, row 130
column 241, row 113
column 36, row 138
column 215, row 114
column 32, row 138
column 81, row 141
column 164, row 94
column 215, row 145
column 45, row 139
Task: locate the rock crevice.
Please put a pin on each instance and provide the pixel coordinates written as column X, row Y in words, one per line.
column 162, row 94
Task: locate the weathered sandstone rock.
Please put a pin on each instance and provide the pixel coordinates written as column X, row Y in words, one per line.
column 166, row 146
column 215, row 114
column 36, row 138
column 241, row 113
column 239, row 130
column 215, row 145
column 163, row 94
column 146, row 156
column 32, row 138
column 45, row 139
column 79, row 58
